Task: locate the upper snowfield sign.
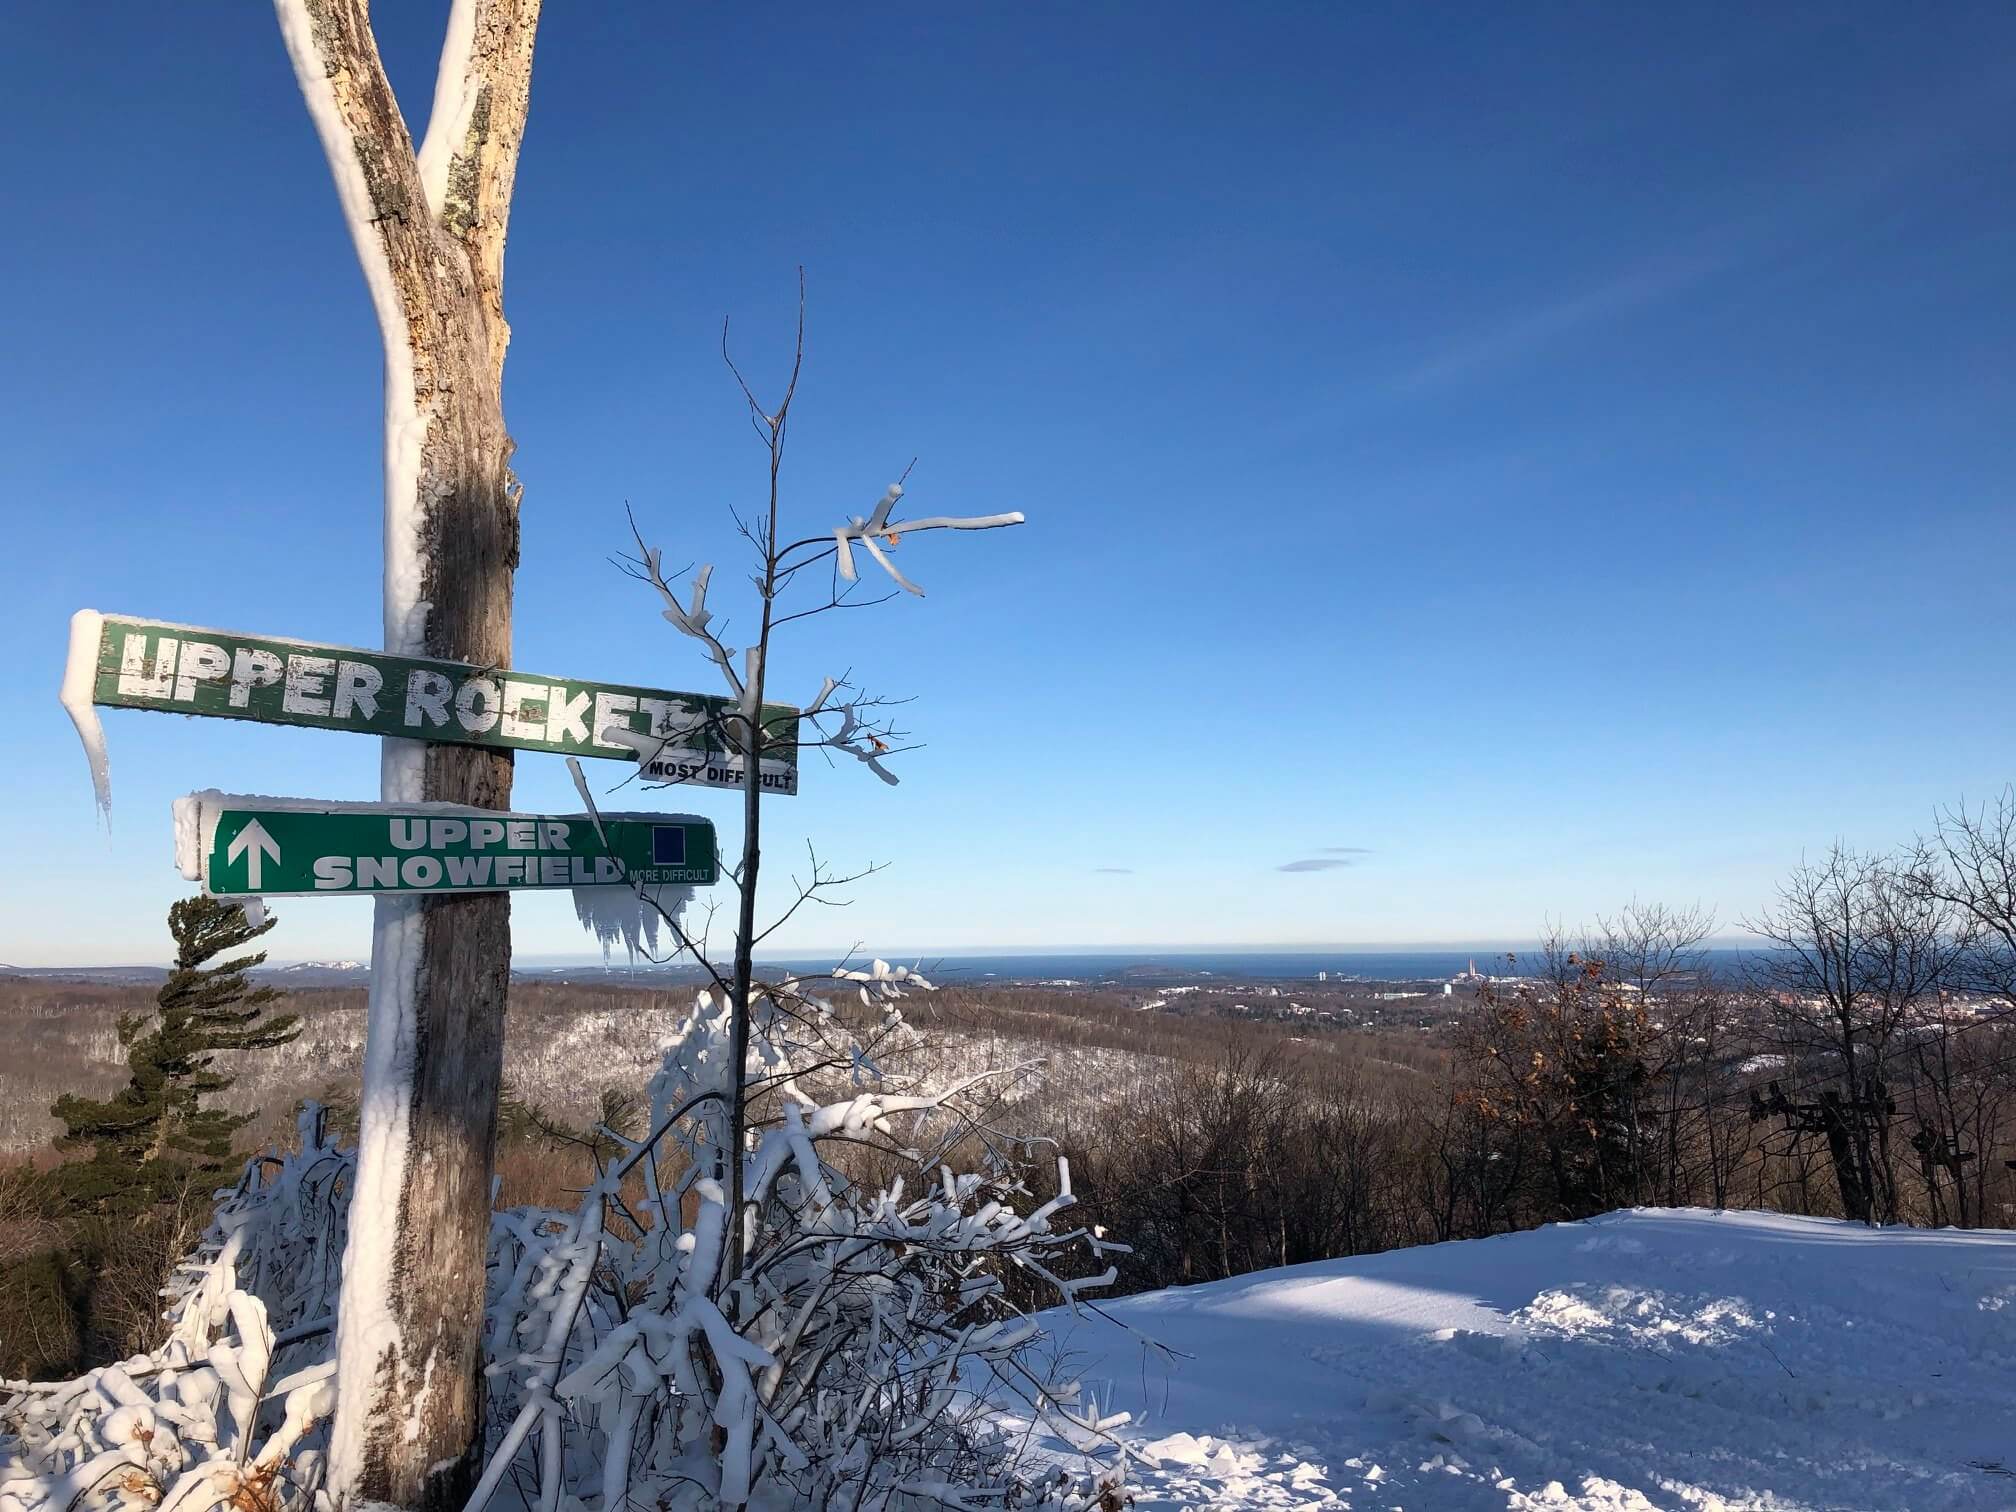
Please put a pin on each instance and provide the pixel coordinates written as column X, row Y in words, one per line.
column 240, row 847
column 146, row 664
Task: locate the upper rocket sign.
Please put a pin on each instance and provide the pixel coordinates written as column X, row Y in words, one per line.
column 146, row 664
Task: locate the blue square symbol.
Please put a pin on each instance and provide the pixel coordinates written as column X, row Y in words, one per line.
column 668, row 845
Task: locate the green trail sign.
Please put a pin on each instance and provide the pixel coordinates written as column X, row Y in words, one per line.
column 244, row 847
column 146, row 664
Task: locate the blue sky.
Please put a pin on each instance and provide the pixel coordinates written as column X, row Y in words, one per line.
column 1538, row 457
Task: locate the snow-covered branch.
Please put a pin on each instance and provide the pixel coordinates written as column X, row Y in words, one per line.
column 879, row 535
column 867, row 743
column 691, row 618
column 231, row 1411
column 846, row 1358
column 864, row 1353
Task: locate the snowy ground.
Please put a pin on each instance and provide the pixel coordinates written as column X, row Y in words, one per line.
column 1649, row 1359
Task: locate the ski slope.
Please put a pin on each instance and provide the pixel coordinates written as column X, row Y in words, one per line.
column 1656, row 1358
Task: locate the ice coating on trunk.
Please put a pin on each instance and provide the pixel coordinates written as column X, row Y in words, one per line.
column 368, row 1325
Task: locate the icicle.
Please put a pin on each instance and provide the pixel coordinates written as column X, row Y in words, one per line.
column 621, row 913
column 80, row 672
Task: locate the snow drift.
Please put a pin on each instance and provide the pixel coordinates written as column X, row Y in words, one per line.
column 1650, row 1359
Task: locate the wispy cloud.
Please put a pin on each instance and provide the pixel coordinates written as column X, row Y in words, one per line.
column 1345, row 850
column 1784, row 205
column 1316, row 864
column 1526, row 332
column 1114, row 871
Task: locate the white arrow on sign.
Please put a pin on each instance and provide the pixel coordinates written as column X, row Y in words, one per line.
column 250, row 843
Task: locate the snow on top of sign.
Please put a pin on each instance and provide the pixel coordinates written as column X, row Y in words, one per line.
column 183, row 631
column 79, row 673
column 195, row 823
column 676, row 727
column 431, row 810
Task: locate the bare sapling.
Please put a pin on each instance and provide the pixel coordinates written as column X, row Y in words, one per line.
column 838, row 717
column 816, row 1305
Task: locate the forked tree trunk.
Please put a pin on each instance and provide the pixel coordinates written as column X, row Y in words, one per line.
column 429, row 232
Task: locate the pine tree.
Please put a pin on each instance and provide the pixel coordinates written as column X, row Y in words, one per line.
column 154, row 1137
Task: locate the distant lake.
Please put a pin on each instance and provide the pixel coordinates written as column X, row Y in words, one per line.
column 1150, row 967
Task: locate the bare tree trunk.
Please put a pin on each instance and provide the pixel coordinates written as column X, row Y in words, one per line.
column 1844, row 1149
column 429, row 229
column 755, row 738
column 745, row 938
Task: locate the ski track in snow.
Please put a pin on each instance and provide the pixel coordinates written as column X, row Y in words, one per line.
column 1653, row 1359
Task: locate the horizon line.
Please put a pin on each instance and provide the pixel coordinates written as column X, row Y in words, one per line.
column 1454, row 946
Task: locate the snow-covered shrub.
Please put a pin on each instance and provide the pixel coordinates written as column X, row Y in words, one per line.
column 861, row 1357
column 225, row 1412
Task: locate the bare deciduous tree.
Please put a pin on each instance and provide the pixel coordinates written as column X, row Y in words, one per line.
column 1963, row 1083
column 1859, row 949
column 1969, row 864
column 1647, row 946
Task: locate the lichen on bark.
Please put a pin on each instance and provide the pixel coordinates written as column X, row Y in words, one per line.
column 459, row 196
